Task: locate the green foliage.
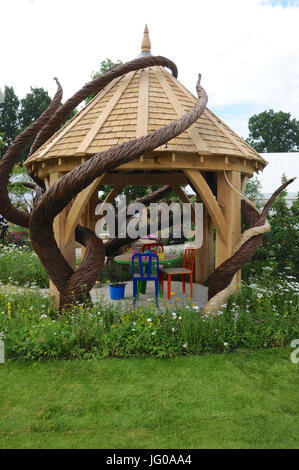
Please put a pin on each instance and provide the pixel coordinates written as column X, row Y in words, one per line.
column 9, row 127
column 21, row 266
column 32, row 106
column 245, row 400
column 2, row 143
column 273, row 132
column 16, row 115
column 17, row 190
column 263, row 314
column 105, row 65
column 280, row 246
column 253, row 191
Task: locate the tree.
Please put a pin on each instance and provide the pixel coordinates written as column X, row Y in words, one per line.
column 105, row 65
column 253, row 191
column 281, row 244
column 32, row 106
column 273, row 132
column 8, row 118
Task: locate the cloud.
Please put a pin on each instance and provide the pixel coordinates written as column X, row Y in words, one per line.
column 246, row 51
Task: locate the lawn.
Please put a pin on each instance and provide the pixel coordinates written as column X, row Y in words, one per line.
column 246, row 399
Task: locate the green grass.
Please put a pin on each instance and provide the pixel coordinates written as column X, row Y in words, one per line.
column 247, row 399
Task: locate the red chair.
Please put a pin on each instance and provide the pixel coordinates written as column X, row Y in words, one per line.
column 187, row 269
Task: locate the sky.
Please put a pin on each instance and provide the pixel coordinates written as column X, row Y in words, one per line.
column 246, row 50
column 279, row 164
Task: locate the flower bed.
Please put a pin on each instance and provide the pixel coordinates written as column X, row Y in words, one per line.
column 259, row 315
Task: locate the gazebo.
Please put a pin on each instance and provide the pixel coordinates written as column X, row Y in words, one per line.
column 208, row 155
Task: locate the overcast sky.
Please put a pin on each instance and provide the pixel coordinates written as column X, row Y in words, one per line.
column 246, row 50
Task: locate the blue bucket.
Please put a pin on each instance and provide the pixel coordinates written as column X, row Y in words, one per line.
column 117, row 291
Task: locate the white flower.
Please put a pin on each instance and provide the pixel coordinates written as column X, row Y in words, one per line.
column 225, row 344
column 259, row 295
column 44, row 316
column 153, row 333
column 133, row 329
column 149, row 320
column 173, row 315
column 185, row 345
column 172, row 329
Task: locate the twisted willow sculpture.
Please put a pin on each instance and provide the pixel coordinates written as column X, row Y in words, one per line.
column 74, row 285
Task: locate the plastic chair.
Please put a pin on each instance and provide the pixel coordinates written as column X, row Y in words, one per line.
column 186, row 269
column 145, row 273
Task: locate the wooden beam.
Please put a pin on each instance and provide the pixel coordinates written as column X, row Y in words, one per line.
column 142, row 116
column 184, row 198
column 230, row 201
column 109, row 198
column 146, row 179
column 204, row 256
column 100, row 121
column 78, row 207
column 233, row 138
column 160, row 161
column 67, row 248
column 209, row 200
column 180, row 110
column 182, row 161
column 77, row 118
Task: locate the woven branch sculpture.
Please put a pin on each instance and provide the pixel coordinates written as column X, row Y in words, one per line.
column 51, row 202
column 74, row 285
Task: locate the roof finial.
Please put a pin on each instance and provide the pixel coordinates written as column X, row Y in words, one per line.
column 146, row 43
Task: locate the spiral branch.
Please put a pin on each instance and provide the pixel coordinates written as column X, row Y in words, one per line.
column 221, row 285
column 60, row 194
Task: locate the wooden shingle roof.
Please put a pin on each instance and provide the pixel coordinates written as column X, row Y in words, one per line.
column 134, row 105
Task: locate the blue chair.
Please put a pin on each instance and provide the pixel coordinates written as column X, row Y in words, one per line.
column 145, row 273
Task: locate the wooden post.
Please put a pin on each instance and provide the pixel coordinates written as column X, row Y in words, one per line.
column 204, row 256
column 230, row 202
column 88, row 217
column 67, row 249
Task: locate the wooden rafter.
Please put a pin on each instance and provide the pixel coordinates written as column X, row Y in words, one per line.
column 74, row 121
column 100, row 121
column 109, row 198
column 184, row 198
column 180, row 110
column 132, row 179
column 142, row 116
column 78, row 207
column 209, row 200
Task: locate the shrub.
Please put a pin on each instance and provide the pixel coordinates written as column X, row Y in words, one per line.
column 21, row 266
column 280, row 246
column 260, row 315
